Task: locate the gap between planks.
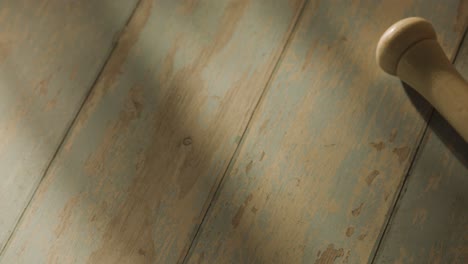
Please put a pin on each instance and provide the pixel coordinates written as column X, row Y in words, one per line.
column 217, row 187
column 70, row 126
column 417, row 152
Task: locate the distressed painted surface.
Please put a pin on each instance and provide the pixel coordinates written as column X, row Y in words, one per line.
column 50, row 54
column 138, row 169
column 431, row 221
column 328, row 147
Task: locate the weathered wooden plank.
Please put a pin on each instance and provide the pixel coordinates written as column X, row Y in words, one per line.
column 328, row 146
column 50, row 54
column 138, row 169
column 430, row 224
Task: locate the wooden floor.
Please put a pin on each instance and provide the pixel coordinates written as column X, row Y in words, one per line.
column 223, row 131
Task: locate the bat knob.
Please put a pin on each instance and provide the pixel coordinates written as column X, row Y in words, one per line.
column 409, row 50
column 398, row 38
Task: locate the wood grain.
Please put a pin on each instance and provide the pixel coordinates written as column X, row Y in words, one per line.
column 430, row 224
column 328, row 146
column 138, row 169
column 50, row 54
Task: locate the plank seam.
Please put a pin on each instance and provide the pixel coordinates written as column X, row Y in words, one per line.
column 69, row 128
column 219, row 185
column 403, row 184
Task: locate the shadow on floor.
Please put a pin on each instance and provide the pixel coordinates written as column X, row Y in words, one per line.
column 439, row 126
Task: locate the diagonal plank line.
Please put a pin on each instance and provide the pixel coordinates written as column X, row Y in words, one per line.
column 218, row 186
column 69, row 128
column 401, row 189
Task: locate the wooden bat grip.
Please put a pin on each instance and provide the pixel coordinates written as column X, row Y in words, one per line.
column 409, row 50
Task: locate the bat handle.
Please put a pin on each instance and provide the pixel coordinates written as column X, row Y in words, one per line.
column 409, row 50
